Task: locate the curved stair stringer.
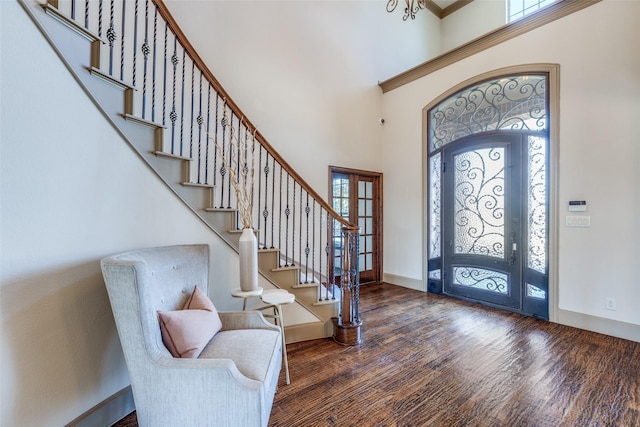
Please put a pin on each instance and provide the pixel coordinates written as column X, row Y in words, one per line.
column 77, row 50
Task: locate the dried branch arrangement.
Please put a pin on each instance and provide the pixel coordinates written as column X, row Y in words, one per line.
column 236, row 163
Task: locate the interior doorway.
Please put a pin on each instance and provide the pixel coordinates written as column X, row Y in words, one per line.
column 357, row 196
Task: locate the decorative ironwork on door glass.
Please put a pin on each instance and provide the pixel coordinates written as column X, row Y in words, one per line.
column 480, row 278
column 513, row 103
column 435, row 186
column 537, row 205
column 479, row 202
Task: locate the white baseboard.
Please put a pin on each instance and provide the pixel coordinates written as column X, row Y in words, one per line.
column 601, row 325
column 107, row 412
column 405, row 282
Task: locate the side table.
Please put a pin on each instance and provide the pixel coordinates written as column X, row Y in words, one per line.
column 239, row 293
column 275, row 299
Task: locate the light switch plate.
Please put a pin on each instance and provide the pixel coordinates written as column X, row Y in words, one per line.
column 578, row 221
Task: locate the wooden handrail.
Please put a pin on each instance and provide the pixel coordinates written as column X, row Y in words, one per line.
column 190, row 50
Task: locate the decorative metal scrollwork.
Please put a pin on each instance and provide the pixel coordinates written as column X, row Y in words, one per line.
column 479, row 202
column 479, row 278
column 537, row 205
column 435, row 184
column 516, row 103
column 411, row 7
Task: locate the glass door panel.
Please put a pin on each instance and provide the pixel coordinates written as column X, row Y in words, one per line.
column 356, row 196
column 482, row 220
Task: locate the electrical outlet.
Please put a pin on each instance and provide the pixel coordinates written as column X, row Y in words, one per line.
column 610, row 303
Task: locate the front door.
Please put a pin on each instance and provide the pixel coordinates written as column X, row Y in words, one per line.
column 356, row 196
column 488, row 193
column 482, row 214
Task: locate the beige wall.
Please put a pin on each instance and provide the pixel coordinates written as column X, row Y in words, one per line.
column 71, row 192
column 306, row 72
column 598, row 151
column 463, row 25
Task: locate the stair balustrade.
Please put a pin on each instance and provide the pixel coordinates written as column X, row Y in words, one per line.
column 138, row 45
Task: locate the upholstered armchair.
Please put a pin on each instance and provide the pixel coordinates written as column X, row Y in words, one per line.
column 234, row 379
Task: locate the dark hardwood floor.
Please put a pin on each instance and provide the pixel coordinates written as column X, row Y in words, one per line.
column 428, row 360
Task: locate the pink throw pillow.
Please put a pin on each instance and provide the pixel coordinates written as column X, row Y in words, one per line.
column 186, row 332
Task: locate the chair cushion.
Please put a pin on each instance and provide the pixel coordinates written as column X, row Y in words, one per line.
column 252, row 350
column 186, row 332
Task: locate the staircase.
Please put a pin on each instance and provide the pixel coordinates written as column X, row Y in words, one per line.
column 134, row 62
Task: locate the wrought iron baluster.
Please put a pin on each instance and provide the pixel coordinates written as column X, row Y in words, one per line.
column 239, row 172
column 193, row 71
column 260, row 188
column 145, row 52
column 265, row 212
column 184, row 65
column 223, row 166
column 243, row 172
column 100, row 18
column 164, row 77
column 73, row 9
column 206, row 147
column 86, row 14
column 320, row 251
column 287, row 212
column 273, row 202
column 313, row 245
column 245, row 151
column 280, row 214
column 355, row 236
column 253, row 170
column 300, row 235
column 307, row 211
column 135, row 40
column 124, row 14
column 200, row 120
column 328, row 278
column 230, row 157
column 155, row 56
column 215, row 151
column 111, row 36
column 293, row 226
column 173, row 116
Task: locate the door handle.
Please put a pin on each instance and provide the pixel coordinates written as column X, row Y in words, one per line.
column 514, row 248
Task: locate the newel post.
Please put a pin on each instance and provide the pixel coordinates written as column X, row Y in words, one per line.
column 347, row 324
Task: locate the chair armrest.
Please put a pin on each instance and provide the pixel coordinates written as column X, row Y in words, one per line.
column 245, row 320
column 206, row 391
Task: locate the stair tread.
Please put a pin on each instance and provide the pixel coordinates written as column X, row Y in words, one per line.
column 196, row 184
column 229, row 210
column 327, row 302
column 73, row 25
column 99, row 73
column 286, row 268
column 306, row 285
column 140, row 120
column 171, row 156
column 268, row 250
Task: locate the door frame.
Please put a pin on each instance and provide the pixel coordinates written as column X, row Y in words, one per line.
column 378, row 185
column 553, row 85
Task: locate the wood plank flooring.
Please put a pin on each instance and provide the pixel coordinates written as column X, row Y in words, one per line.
column 428, row 360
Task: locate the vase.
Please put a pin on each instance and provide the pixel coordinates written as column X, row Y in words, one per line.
column 248, row 260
